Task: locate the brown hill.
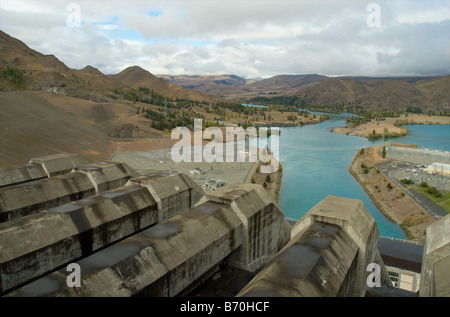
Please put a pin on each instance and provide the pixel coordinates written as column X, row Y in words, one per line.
column 220, row 85
column 22, row 68
column 428, row 94
column 235, row 86
column 135, row 77
column 41, row 123
column 285, row 83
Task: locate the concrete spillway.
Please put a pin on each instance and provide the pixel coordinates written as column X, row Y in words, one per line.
column 54, row 237
column 159, row 234
column 31, row 197
column 319, row 262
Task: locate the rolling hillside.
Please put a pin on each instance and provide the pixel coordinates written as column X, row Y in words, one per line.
column 50, row 108
column 430, row 94
column 233, row 86
column 22, row 68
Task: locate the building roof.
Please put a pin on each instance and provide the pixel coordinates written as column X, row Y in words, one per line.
column 404, row 255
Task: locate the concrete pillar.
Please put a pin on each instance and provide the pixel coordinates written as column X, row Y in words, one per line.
column 107, row 175
column 163, row 260
column 32, row 197
column 358, row 228
column 174, row 193
column 318, row 261
column 37, row 244
column 21, row 174
column 435, row 275
column 58, row 164
column 265, row 230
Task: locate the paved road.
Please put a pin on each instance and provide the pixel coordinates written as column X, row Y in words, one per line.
column 391, row 168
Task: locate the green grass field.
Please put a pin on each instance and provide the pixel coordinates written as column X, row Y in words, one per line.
column 443, row 201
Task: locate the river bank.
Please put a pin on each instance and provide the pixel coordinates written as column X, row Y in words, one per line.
column 387, row 196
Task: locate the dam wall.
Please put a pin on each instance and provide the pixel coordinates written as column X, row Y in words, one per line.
column 54, row 237
column 175, row 255
column 31, row 197
column 435, row 275
column 58, row 164
column 159, row 234
column 416, row 155
column 20, row 174
column 177, row 192
column 330, row 249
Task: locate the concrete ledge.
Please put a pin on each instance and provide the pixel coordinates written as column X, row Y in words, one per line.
column 435, row 274
column 160, row 261
column 21, row 174
column 354, row 218
column 265, row 230
column 319, row 261
column 107, row 175
column 174, row 193
column 31, row 197
column 58, row 164
column 37, row 244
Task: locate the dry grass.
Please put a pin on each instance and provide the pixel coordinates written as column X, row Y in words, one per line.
column 393, row 203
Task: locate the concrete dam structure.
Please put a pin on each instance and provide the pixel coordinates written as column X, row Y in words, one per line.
column 159, row 234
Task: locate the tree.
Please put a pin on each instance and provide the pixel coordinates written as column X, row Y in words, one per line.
column 383, row 152
column 268, row 180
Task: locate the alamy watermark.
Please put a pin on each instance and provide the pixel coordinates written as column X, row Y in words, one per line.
column 222, row 149
column 374, row 18
column 74, row 278
column 73, row 19
column 374, row 278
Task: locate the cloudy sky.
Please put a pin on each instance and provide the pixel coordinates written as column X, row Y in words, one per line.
column 248, row 38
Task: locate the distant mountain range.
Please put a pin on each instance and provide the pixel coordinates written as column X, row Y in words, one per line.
column 235, row 86
column 427, row 93
column 22, row 68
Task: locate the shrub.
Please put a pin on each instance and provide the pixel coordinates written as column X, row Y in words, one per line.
column 434, row 192
column 423, row 184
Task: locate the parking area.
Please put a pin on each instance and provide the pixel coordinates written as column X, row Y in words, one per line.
column 417, row 173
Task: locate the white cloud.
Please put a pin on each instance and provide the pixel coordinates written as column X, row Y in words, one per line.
column 248, row 38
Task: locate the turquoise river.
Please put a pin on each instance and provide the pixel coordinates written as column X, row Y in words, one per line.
column 316, row 161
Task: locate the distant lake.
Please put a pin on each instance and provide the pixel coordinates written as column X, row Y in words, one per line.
column 252, row 105
column 316, row 161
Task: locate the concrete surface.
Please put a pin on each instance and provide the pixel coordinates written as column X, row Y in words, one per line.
column 435, row 276
column 265, row 229
column 31, row 197
column 354, row 218
column 20, row 174
column 37, row 244
column 174, row 192
column 160, row 261
column 319, row 261
column 159, row 234
column 107, row 175
column 58, row 164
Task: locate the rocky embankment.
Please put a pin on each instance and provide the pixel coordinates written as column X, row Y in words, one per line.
column 389, row 198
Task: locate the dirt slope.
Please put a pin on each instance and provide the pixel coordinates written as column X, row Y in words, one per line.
column 40, row 123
